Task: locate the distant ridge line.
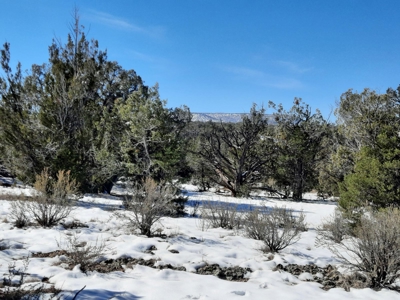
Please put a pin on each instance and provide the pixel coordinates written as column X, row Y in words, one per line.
column 223, row 117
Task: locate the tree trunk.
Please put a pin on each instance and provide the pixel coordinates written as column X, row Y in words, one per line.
column 298, row 184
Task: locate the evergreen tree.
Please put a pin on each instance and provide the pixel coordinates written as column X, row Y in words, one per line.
column 369, row 124
column 237, row 156
column 53, row 117
column 375, row 180
column 299, row 136
column 152, row 145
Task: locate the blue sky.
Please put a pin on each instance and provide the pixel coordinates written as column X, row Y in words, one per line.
column 222, row 56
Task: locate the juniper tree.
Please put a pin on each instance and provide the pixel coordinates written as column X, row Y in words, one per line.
column 238, row 156
column 56, row 115
column 369, row 123
column 299, row 135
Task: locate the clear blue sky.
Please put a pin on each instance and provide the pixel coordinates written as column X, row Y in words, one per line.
column 222, row 56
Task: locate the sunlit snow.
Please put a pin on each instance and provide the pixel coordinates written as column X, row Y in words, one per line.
column 195, row 247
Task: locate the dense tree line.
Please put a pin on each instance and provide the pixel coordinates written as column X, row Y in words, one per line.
column 83, row 113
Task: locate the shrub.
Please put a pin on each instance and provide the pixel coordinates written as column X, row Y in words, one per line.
column 277, row 228
column 80, row 252
column 19, row 213
column 375, row 247
column 334, row 229
column 147, row 203
column 220, row 214
column 51, row 204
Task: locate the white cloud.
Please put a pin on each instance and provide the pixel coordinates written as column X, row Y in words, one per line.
column 123, row 24
column 262, row 78
column 292, row 66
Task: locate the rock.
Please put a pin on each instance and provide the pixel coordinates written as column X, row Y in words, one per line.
column 174, row 251
column 230, row 273
column 328, row 284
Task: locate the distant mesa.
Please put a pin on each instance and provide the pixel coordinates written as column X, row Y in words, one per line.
column 224, row 117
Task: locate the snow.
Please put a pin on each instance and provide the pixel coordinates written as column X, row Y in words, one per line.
column 196, row 246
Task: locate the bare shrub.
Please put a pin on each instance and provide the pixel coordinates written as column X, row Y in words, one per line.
column 202, row 224
column 81, row 252
column 333, row 229
column 374, row 249
column 220, row 214
column 277, row 228
column 147, row 203
column 19, row 213
column 53, row 202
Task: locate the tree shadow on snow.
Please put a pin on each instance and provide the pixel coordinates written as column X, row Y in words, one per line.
column 102, row 294
column 240, row 207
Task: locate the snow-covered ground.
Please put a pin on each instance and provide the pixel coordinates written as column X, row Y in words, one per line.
column 195, row 247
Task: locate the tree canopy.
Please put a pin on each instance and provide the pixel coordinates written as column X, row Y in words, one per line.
column 72, row 113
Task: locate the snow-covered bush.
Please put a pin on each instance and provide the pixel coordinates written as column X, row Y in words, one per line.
column 146, row 204
column 277, row 228
column 220, row 214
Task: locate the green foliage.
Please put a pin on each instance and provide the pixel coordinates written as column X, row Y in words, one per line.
column 372, row 145
column 83, row 113
column 18, row 123
column 200, row 173
column 151, row 141
column 362, row 116
column 299, row 137
column 334, row 167
column 54, row 117
column 375, row 180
